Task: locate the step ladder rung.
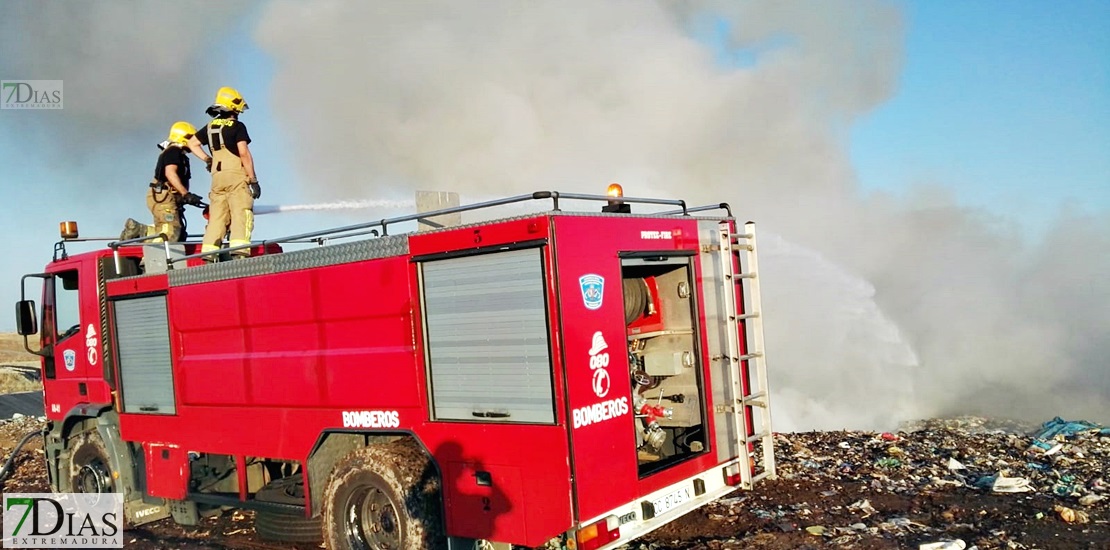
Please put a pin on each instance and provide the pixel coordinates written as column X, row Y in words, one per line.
column 743, row 316
column 760, row 476
column 753, row 355
column 741, row 276
column 753, row 396
column 757, row 437
column 735, row 236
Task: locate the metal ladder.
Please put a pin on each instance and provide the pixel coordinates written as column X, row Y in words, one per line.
column 740, row 270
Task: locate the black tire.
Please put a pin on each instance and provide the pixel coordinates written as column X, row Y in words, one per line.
column 87, row 469
column 383, row 497
column 280, row 527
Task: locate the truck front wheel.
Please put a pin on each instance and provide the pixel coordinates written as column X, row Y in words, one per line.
column 88, row 470
column 383, row 496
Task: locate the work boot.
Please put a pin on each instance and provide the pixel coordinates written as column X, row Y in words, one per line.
column 132, row 230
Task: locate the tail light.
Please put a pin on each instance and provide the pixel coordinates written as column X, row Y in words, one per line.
column 732, row 475
column 599, row 534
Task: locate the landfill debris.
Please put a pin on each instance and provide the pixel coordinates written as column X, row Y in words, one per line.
column 1071, row 516
column 918, row 486
column 957, row 544
column 863, row 506
column 1060, row 427
column 1091, row 499
column 938, row 490
column 1011, row 485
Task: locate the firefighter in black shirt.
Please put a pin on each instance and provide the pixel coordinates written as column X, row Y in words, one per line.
column 169, row 189
column 234, row 183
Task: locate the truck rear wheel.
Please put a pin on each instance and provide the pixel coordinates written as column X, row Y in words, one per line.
column 383, row 496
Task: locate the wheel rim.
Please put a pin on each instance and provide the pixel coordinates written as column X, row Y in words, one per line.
column 93, row 477
column 370, row 520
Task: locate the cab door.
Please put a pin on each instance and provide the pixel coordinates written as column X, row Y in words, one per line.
column 73, row 368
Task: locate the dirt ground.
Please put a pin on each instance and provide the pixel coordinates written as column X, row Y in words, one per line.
column 865, row 508
column 14, row 362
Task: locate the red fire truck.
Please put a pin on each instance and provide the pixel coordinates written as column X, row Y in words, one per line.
column 561, row 377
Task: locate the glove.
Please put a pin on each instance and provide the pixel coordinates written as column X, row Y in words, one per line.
column 192, row 199
column 256, row 190
column 208, row 164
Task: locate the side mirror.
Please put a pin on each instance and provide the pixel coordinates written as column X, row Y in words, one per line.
column 25, row 321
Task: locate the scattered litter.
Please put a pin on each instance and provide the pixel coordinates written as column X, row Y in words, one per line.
column 816, row 530
column 863, row 506
column 1091, row 499
column 957, row 544
column 1011, row 485
column 1071, row 516
column 955, row 465
column 888, row 463
column 786, row 526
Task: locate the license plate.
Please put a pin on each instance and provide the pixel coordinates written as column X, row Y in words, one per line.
column 672, row 500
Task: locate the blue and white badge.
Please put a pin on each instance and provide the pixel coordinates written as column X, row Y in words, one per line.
column 593, row 290
column 70, row 357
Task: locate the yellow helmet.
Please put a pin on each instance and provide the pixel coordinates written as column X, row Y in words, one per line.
column 230, row 99
column 180, row 132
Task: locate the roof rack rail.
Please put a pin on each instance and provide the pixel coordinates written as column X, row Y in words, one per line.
column 380, row 228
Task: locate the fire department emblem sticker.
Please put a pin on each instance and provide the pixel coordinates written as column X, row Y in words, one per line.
column 599, row 360
column 593, row 290
column 91, row 343
column 70, row 357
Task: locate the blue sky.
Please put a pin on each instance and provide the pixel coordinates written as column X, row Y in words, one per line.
column 1005, row 104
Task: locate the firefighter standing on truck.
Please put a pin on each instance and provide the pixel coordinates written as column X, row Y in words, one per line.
column 169, row 192
column 234, row 182
column 169, row 189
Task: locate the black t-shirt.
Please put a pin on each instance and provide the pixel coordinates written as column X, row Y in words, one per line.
column 173, row 156
column 231, row 132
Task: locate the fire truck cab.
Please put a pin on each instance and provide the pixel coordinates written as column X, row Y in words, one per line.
column 554, row 377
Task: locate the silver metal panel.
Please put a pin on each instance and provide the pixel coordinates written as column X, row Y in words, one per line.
column 333, row 254
column 487, row 338
column 154, row 256
column 716, row 292
column 146, row 369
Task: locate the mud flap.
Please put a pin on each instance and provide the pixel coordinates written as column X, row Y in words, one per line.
column 184, row 512
column 137, row 512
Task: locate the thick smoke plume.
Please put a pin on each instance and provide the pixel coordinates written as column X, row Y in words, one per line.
column 127, row 65
column 130, row 69
column 878, row 308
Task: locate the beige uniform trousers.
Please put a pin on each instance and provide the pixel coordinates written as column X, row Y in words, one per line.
column 230, row 205
column 165, row 208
